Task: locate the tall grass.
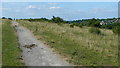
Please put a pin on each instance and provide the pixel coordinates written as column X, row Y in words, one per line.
column 10, row 50
column 77, row 45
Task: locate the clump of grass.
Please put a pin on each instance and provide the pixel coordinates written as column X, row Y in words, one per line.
column 10, row 50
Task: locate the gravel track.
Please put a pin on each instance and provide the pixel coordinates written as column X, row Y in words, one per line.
column 35, row 52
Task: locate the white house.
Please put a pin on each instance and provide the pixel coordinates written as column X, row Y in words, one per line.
column 102, row 23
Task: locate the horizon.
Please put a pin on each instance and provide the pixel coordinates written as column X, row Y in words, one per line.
column 60, row 17
column 66, row 10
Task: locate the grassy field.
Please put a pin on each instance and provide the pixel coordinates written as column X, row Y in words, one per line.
column 77, row 45
column 10, row 50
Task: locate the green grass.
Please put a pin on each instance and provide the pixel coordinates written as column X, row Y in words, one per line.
column 10, row 50
column 0, row 42
column 77, row 45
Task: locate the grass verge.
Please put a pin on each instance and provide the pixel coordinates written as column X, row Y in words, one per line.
column 0, row 42
column 10, row 50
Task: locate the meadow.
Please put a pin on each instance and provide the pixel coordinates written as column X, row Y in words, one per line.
column 10, row 51
column 77, row 45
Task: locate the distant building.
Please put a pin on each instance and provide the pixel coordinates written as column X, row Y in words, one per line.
column 102, row 23
column 116, row 21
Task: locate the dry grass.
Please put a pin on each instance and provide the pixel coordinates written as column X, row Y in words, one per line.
column 78, row 44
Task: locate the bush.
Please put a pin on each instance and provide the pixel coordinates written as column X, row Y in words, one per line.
column 57, row 19
column 116, row 30
column 94, row 30
column 80, row 26
column 10, row 18
column 72, row 25
column 60, row 24
column 94, row 23
column 3, row 18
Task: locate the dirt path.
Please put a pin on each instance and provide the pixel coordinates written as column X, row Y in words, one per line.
column 36, row 53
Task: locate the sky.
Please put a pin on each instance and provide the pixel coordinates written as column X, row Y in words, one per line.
column 65, row 10
column 59, row 0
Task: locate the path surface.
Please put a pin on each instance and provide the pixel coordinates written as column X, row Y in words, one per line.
column 36, row 53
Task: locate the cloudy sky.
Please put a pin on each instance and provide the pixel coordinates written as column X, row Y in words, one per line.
column 66, row 10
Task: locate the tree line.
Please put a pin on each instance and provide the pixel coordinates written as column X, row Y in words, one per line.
column 110, row 23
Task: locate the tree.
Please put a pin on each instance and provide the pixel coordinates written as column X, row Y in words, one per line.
column 10, row 18
column 90, row 23
column 3, row 18
column 57, row 19
column 94, row 22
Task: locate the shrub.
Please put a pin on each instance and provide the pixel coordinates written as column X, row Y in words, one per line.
column 60, row 24
column 57, row 19
column 94, row 30
column 80, row 26
column 94, row 23
column 3, row 18
column 72, row 25
column 116, row 30
column 10, row 18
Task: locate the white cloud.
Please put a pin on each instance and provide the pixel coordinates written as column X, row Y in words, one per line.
column 31, row 6
column 52, row 3
column 54, row 7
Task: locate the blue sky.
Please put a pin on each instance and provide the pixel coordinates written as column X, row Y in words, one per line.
column 66, row 10
column 60, row 0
